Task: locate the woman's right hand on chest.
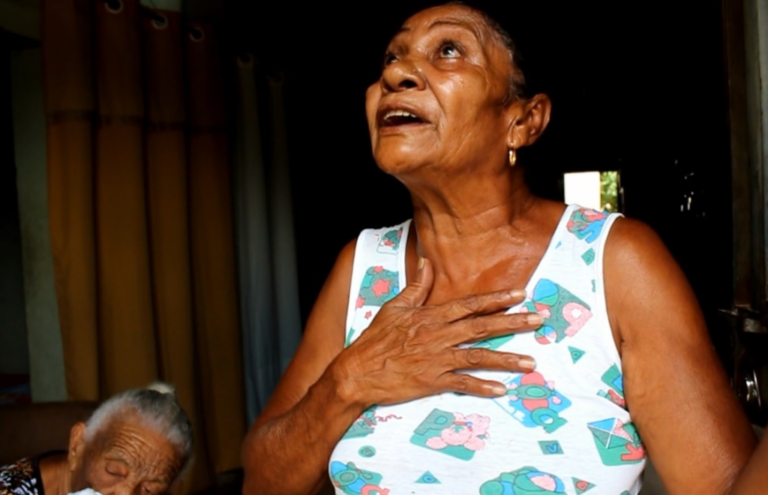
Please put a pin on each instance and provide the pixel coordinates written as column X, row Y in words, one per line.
column 411, row 350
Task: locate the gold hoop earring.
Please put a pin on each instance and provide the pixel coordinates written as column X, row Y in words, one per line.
column 512, row 157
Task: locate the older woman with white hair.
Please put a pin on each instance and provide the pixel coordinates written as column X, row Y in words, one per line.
column 139, row 441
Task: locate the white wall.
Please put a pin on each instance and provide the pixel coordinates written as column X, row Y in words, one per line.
column 583, row 189
column 756, row 32
column 46, row 358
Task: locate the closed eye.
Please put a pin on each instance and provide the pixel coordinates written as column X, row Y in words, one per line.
column 116, row 469
column 154, row 488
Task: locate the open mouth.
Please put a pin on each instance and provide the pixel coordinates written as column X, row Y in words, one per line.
column 398, row 117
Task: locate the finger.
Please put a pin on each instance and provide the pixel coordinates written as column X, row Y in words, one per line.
column 417, row 291
column 470, row 385
column 472, row 330
column 481, row 304
column 486, row 359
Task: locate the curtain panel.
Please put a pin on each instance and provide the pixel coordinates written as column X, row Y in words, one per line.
column 141, row 214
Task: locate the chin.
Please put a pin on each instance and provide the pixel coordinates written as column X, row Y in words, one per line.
column 400, row 160
column 397, row 167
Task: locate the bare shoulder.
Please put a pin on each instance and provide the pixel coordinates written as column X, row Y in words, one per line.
column 628, row 233
column 322, row 341
column 695, row 432
column 640, row 273
column 635, row 243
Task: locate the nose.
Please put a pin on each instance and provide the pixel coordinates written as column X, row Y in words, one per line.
column 402, row 75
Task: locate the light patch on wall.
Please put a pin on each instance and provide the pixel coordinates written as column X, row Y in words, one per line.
column 596, row 190
column 583, row 188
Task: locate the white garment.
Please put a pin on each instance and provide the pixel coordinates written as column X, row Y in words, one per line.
column 561, row 429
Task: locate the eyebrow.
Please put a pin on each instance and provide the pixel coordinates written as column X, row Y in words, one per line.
column 446, row 22
column 117, row 458
column 459, row 23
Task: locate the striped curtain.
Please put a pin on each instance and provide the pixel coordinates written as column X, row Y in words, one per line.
column 141, row 213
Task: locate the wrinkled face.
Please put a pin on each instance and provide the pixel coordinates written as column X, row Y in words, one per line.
column 125, row 457
column 441, row 97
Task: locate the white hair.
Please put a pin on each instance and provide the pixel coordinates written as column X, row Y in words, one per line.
column 156, row 406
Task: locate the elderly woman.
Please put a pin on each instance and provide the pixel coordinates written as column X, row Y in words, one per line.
column 499, row 343
column 137, row 442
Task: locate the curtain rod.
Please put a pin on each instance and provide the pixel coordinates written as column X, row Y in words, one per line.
column 117, row 5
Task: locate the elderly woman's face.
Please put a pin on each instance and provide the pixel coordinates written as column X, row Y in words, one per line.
column 440, row 99
column 125, row 457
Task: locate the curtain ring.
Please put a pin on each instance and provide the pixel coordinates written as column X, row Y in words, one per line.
column 278, row 77
column 196, row 34
column 159, row 21
column 245, row 59
column 114, row 6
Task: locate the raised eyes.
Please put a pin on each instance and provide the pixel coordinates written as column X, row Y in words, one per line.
column 389, row 58
column 449, row 49
column 445, row 49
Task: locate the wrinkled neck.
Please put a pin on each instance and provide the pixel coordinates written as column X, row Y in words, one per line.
column 466, row 224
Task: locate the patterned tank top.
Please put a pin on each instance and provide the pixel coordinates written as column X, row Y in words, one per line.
column 562, row 429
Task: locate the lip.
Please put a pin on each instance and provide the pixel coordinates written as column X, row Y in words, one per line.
column 387, row 108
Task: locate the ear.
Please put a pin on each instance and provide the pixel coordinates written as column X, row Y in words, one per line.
column 76, row 445
column 529, row 119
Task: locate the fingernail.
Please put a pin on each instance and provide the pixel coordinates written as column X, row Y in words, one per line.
column 421, row 262
column 499, row 389
column 527, row 363
column 518, row 294
column 534, row 319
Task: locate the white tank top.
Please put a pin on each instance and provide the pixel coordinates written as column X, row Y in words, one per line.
column 563, row 428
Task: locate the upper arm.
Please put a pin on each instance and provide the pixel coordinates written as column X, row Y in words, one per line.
column 322, row 341
column 689, row 419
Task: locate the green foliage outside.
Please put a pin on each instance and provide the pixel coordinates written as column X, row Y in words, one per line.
column 609, row 190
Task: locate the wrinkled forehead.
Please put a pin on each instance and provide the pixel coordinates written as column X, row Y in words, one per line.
column 141, row 446
column 457, row 15
column 462, row 17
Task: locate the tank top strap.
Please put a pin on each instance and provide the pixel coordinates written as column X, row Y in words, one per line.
column 569, row 285
column 589, row 228
column 378, row 275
